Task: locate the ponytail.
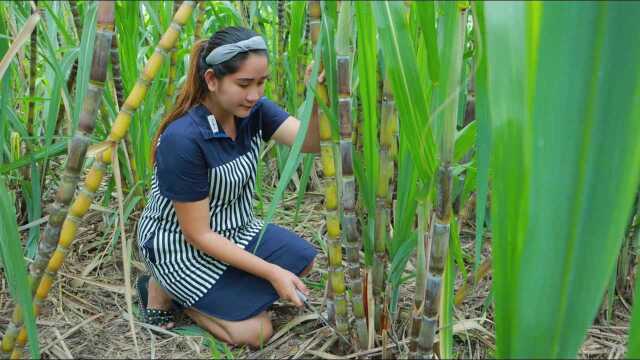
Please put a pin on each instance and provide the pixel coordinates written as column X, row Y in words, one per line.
column 192, row 93
column 195, row 89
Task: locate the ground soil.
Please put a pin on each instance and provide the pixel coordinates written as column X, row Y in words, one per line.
column 86, row 313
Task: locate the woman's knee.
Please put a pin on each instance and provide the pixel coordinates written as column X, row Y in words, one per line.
column 254, row 332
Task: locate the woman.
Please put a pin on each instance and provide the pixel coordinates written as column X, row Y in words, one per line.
column 198, row 233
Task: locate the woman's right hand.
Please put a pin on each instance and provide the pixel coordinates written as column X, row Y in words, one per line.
column 285, row 282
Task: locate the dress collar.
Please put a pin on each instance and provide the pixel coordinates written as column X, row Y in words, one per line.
column 207, row 123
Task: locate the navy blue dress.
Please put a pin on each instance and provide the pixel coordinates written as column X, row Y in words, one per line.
column 195, row 159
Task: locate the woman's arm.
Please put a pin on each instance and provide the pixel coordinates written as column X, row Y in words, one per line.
column 193, row 218
column 287, row 132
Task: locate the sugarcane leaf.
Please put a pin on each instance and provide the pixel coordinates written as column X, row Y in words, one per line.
column 401, row 67
column 557, row 222
column 307, row 167
column 47, row 151
column 425, row 14
column 465, row 141
column 14, row 266
column 367, row 63
column 292, row 162
column 483, row 138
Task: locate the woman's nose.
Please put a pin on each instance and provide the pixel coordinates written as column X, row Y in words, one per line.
column 253, row 95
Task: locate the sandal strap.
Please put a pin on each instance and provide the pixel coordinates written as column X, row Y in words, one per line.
column 157, row 317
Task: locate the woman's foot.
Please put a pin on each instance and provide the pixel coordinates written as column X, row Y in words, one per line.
column 156, row 304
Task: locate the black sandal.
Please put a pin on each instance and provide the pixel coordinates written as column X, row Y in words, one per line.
column 156, row 317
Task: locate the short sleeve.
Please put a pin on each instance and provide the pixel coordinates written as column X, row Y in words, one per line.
column 271, row 117
column 181, row 168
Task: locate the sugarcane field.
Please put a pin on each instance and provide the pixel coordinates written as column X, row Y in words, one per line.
column 276, row 179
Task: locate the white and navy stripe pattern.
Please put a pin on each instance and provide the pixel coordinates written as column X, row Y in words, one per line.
column 183, row 270
column 196, row 159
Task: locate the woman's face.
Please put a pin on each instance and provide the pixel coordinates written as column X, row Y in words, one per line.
column 237, row 93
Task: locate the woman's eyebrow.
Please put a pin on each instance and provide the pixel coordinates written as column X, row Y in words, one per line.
column 251, row 79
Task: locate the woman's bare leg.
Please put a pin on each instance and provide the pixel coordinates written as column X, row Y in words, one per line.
column 159, row 299
column 255, row 331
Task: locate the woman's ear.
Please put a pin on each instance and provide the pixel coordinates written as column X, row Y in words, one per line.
column 211, row 80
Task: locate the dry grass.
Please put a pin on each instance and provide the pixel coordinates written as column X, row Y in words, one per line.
column 85, row 315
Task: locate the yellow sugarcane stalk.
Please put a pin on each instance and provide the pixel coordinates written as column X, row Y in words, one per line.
column 73, row 167
column 83, row 201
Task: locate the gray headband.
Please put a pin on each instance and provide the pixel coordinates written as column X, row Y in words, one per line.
column 226, row 52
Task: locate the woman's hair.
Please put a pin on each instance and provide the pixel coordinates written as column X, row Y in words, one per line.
column 195, row 88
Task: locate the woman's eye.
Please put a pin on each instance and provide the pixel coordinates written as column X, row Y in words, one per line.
column 242, row 85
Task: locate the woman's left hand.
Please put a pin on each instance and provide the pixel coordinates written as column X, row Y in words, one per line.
column 307, row 75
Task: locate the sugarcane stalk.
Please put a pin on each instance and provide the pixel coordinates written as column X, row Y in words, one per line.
column 328, row 183
column 73, row 167
column 83, row 200
column 346, row 181
column 70, row 86
column 422, row 263
column 441, row 226
column 171, row 87
column 350, row 235
column 383, row 201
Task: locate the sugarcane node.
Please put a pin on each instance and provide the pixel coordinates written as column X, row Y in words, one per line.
column 378, row 275
column 77, row 153
column 57, row 214
column 346, row 155
column 335, row 255
column 68, row 232
column 337, row 279
column 87, row 122
column 426, row 335
column 358, row 308
column 184, row 12
column 321, row 93
column 107, row 155
column 81, row 205
column 326, row 157
column 153, row 66
column 58, row 210
column 43, row 288
column 9, row 339
column 93, row 179
column 56, row 261
column 314, row 9
column 356, row 285
column 331, row 196
column 432, row 301
column 346, row 123
column 106, row 13
column 348, row 193
column 101, row 56
column 169, row 38
column 439, row 247
column 120, row 126
column 324, row 125
column 344, row 76
column 314, row 27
